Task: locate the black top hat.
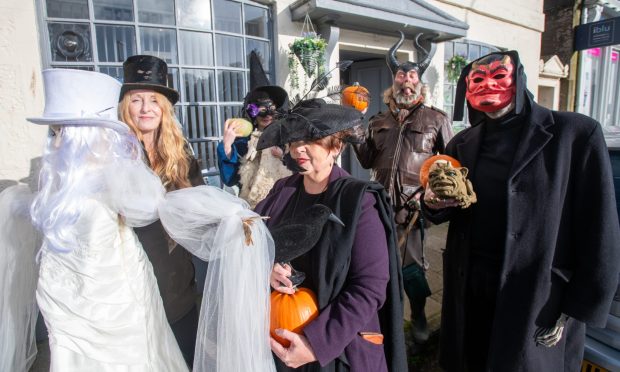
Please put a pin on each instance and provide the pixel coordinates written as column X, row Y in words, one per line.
column 310, row 120
column 147, row 72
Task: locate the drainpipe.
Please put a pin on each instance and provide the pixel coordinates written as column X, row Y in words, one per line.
column 593, row 6
column 580, row 60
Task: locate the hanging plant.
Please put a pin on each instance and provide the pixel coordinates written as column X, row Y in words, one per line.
column 293, row 64
column 307, row 51
column 454, row 66
column 310, row 51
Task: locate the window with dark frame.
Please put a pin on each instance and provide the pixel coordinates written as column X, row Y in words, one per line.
column 206, row 44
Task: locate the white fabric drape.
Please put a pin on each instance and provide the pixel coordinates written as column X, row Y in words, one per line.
column 233, row 330
column 233, row 334
column 19, row 242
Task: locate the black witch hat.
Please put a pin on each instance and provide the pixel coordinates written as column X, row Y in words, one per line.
column 147, row 72
column 522, row 95
column 260, row 87
column 310, row 120
column 425, row 54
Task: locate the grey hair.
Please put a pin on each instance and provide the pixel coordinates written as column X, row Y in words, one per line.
column 69, row 176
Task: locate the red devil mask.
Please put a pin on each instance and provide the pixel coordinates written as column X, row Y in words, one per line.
column 491, row 83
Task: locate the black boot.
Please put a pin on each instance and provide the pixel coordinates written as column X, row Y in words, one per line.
column 419, row 326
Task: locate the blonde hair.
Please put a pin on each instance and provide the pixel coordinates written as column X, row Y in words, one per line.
column 169, row 158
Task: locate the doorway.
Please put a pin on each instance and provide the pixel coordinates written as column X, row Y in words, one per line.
column 371, row 71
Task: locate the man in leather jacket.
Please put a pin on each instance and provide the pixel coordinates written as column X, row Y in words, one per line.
column 397, row 142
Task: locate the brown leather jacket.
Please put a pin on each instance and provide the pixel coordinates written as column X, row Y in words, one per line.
column 396, row 152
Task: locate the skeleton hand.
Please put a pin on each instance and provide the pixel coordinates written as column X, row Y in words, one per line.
column 551, row 336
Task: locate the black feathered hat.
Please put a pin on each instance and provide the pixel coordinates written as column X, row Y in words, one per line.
column 425, row 54
column 147, row 72
column 310, row 120
column 522, row 95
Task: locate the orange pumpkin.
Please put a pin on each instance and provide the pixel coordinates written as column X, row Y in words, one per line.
column 292, row 312
column 356, row 96
column 426, row 166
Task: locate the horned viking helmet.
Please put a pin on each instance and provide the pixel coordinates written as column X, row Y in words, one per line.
column 425, row 49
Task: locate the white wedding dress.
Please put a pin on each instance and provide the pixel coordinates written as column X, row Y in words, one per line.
column 101, row 303
column 100, row 298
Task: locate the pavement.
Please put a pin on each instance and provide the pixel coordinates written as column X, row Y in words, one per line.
column 435, row 243
column 424, row 358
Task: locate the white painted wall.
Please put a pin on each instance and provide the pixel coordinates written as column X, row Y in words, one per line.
column 21, row 93
column 514, row 25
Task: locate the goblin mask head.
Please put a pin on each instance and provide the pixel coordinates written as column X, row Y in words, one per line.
column 448, row 182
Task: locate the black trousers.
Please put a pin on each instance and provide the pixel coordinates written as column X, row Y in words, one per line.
column 480, row 301
column 185, row 332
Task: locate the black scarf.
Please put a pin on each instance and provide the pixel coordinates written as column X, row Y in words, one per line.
column 331, row 263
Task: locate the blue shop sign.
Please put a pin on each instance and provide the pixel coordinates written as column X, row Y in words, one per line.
column 597, row 34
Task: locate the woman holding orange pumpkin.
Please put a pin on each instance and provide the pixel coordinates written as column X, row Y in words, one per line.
column 352, row 269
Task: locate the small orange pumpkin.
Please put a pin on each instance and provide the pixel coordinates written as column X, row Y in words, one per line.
column 292, row 312
column 356, row 96
column 426, row 166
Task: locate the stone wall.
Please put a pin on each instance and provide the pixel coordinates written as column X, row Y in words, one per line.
column 558, row 39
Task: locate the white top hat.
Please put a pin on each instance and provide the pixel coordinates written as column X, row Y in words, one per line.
column 80, row 98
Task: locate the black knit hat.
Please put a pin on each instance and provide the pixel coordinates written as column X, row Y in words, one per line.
column 147, row 72
column 310, row 120
column 522, row 95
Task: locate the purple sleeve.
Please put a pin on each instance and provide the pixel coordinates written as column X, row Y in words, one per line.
column 363, row 294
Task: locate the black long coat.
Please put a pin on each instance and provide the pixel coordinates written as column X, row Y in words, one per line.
column 561, row 247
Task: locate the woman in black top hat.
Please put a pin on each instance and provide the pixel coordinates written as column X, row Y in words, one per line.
column 353, row 269
column 146, row 106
